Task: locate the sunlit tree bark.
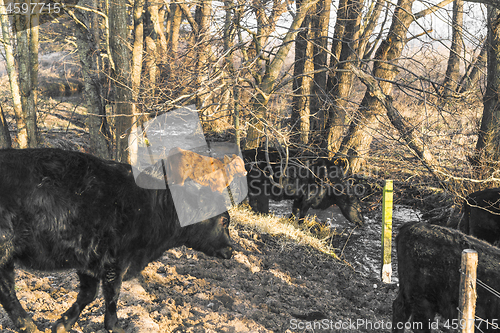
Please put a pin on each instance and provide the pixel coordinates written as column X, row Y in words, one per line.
column 452, row 75
column 302, row 81
column 89, row 58
column 28, row 72
column 343, row 76
column 488, row 143
column 22, row 132
column 122, row 78
column 137, row 51
column 320, row 23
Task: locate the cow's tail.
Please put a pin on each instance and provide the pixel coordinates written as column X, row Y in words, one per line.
column 463, row 225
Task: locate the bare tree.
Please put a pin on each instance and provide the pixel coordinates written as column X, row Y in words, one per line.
column 343, row 76
column 488, row 142
column 27, row 60
column 452, row 75
column 173, row 28
column 202, row 36
column 22, row 132
column 320, row 23
column 121, row 74
column 302, row 80
column 88, row 53
column 137, row 51
column 473, row 72
column 356, row 142
column 272, row 70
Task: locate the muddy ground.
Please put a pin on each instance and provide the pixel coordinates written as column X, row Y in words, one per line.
column 272, row 284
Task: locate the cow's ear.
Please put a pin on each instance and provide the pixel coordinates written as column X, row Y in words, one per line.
column 226, row 159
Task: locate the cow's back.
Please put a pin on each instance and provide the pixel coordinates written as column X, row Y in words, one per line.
column 68, row 209
column 482, row 215
column 429, row 259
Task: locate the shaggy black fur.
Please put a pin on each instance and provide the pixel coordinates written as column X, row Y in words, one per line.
column 62, row 209
column 316, row 183
column 482, row 215
column 429, row 259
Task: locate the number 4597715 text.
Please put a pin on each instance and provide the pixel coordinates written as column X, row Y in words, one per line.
column 33, row 8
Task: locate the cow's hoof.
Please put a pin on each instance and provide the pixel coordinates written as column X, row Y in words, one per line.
column 118, row 329
column 26, row 325
column 59, row 328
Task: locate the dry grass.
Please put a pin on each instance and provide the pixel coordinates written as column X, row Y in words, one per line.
column 310, row 233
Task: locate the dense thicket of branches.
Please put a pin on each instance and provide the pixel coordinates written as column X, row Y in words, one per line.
column 277, row 71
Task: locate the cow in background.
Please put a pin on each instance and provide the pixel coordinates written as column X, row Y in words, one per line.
column 309, row 182
column 64, row 209
column 429, row 258
column 482, row 215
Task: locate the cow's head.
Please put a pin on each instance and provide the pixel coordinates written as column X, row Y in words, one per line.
column 211, row 236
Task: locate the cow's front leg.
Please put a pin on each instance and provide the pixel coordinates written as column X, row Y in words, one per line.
column 88, row 292
column 111, row 285
column 299, row 208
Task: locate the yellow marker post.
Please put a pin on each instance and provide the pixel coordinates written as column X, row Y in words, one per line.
column 387, row 231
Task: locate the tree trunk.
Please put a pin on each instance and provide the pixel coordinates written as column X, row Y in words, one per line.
column 261, row 99
column 472, row 75
column 452, row 75
column 338, row 35
column 151, row 38
column 88, row 52
column 227, row 103
column 22, row 132
column 137, row 50
column 488, row 142
column 371, row 22
column 344, row 77
column 33, row 97
column 121, row 74
column 302, row 82
column 175, row 18
column 5, row 140
column 320, row 23
column 28, row 92
column 357, row 142
column 203, row 50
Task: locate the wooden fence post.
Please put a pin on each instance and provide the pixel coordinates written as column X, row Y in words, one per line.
column 387, row 232
column 467, row 298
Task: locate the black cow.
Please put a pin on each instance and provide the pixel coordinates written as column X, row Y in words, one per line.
column 429, row 259
column 482, row 215
column 62, row 209
column 309, row 182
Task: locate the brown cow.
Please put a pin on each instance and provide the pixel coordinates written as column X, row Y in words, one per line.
column 206, row 171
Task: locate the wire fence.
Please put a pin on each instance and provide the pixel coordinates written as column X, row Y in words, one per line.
column 479, row 322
